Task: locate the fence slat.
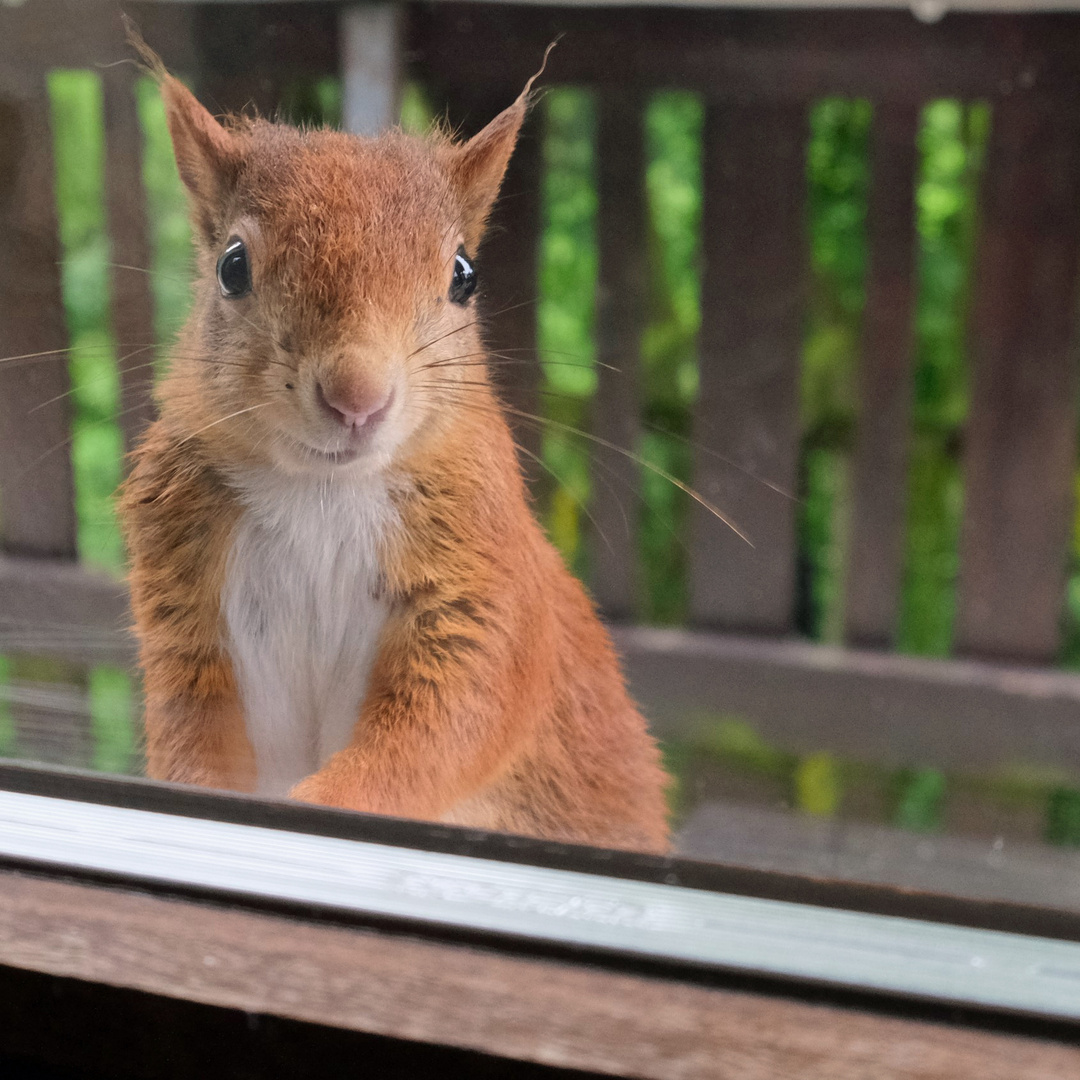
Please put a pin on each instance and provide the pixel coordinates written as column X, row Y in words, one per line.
column 132, row 296
column 621, row 300
column 965, row 717
column 778, row 55
column 1020, row 452
column 750, row 351
column 881, row 450
column 38, row 514
column 509, row 284
column 247, row 54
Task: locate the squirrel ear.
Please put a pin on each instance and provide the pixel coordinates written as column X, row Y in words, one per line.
column 477, row 167
column 208, row 156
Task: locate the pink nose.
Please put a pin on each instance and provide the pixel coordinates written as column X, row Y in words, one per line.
column 355, row 406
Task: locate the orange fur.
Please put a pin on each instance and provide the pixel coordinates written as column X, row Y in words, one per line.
column 495, row 698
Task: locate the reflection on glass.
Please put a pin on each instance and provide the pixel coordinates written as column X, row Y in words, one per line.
column 751, row 784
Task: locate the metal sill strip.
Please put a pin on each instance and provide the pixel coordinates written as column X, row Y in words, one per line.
column 931, row 961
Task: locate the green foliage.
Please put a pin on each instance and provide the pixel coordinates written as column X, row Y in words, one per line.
column 920, row 799
column 817, row 785
column 673, row 186
column 417, row 114
column 734, row 741
column 952, row 141
column 79, row 149
column 566, row 312
column 1070, row 647
column 837, row 185
column 7, row 724
column 171, row 265
column 111, row 720
column 1063, row 817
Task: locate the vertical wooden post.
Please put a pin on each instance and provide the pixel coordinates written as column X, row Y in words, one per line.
column 132, row 296
column 37, row 512
column 370, row 41
column 509, row 285
column 622, row 295
column 37, row 504
column 229, row 43
column 881, row 449
column 1020, row 448
column 752, row 312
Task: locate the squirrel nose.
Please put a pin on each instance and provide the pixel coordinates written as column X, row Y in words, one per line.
column 355, row 406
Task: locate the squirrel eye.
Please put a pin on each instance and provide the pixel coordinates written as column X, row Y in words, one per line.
column 233, row 271
column 464, row 282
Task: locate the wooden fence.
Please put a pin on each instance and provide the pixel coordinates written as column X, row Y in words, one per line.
column 759, row 72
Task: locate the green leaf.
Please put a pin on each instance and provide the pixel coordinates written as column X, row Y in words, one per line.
column 818, row 786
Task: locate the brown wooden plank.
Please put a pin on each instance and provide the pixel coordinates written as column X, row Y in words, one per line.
column 762, row 54
column 132, row 296
column 54, row 1025
column 36, row 487
column 964, row 717
column 622, row 297
column 795, row 843
column 49, row 34
column 453, row 995
column 765, row 53
column 49, row 706
column 897, row 711
column 749, row 361
column 1020, row 448
column 881, row 450
column 50, row 607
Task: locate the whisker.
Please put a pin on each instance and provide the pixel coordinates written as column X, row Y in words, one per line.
column 262, row 330
column 46, row 353
column 540, row 421
column 149, row 272
column 71, row 438
column 221, row 420
column 702, row 448
column 496, row 360
column 643, row 463
column 102, row 378
column 441, row 337
column 559, row 480
column 654, row 428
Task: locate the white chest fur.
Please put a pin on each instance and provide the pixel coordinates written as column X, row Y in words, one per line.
column 303, row 615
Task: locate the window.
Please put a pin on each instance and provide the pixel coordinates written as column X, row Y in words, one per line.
column 780, row 306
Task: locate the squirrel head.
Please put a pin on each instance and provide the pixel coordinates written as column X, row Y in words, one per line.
column 336, row 280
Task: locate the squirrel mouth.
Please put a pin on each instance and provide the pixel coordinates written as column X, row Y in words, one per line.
column 336, row 457
column 328, row 457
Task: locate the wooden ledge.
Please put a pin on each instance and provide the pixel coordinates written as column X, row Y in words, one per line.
column 529, row 1010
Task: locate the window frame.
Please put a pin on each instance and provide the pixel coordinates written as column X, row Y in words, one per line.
column 178, row 907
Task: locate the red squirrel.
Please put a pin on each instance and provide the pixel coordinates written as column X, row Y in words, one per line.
column 340, row 592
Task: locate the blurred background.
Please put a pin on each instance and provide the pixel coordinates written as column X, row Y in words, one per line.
column 629, row 508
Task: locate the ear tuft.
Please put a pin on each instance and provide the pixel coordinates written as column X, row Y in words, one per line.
column 208, row 156
column 477, row 166
column 151, row 60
